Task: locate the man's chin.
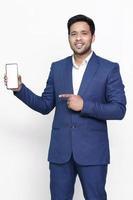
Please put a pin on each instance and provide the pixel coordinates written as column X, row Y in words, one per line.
column 79, row 52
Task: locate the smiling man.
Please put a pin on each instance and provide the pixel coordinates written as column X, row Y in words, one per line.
column 86, row 91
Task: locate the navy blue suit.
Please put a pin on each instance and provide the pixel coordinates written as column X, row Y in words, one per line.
column 83, row 134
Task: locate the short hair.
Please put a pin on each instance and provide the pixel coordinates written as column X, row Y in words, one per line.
column 81, row 18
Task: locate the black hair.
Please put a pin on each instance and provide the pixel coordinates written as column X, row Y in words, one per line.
column 83, row 18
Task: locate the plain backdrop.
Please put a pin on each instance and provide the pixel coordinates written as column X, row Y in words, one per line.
column 33, row 33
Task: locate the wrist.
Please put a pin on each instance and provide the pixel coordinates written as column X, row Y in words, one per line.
column 17, row 89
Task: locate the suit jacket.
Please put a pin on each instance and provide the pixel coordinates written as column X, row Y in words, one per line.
column 82, row 133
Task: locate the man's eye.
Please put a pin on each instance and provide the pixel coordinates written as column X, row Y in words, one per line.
column 73, row 34
column 84, row 33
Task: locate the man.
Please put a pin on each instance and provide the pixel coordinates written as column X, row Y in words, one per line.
column 86, row 90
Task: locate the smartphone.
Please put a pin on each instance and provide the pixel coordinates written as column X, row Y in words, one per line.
column 12, row 75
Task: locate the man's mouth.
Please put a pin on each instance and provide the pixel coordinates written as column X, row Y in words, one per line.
column 79, row 45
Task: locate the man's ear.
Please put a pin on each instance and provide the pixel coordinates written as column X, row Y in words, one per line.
column 93, row 38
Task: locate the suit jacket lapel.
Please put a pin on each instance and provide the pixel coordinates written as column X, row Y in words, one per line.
column 67, row 76
column 89, row 74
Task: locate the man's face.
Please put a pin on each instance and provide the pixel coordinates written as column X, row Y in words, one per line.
column 80, row 38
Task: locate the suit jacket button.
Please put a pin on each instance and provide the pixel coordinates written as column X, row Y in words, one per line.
column 73, row 126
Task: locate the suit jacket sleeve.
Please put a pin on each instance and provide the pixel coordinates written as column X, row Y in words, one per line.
column 44, row 103
column 115, row 106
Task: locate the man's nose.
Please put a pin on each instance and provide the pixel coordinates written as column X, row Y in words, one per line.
column 78, row 36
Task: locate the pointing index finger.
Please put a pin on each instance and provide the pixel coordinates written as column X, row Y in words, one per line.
column 65, row 96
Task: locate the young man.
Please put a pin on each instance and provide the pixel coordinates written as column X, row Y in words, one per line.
column 86, row 90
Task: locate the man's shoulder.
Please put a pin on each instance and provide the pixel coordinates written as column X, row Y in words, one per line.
column 60, row 65
column 106, row 65
column 105, row 61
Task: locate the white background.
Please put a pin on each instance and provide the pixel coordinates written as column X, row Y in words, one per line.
column 33, row 33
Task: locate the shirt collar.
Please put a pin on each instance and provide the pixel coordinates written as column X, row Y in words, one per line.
column 85, row 62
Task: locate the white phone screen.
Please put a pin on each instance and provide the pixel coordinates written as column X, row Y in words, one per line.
column 12, row 75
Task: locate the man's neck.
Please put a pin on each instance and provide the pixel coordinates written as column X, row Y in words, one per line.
column 80, row 58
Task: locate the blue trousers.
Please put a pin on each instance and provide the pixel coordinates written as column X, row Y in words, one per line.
column 63, row 177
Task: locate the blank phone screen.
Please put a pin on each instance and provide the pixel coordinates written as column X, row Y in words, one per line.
column 12, row 75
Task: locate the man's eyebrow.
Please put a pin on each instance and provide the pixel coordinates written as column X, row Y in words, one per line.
column 80, row 31
column 73, row 31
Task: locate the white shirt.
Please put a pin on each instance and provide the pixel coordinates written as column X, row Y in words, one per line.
column 78, row 72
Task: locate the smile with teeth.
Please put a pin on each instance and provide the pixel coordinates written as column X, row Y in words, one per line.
column 79, row 45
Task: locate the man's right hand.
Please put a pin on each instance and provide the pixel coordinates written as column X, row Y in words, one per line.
column 19, row 83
